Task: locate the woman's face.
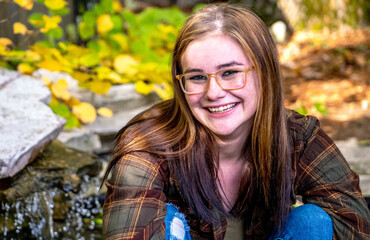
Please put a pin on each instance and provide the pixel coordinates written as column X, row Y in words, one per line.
column 227, row 113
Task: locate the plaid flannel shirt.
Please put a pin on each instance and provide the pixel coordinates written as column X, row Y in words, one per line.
column 141, row 185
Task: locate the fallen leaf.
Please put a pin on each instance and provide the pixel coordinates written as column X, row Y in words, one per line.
column 85, row 112
column 99, row 86
column 50, row 64
column 46, row 80
column 143, row 88
column 105, row 112
column 59, row 89
column 25, row 68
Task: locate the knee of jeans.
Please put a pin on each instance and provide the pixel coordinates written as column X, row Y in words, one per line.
column 312, row 214
column 176, row 224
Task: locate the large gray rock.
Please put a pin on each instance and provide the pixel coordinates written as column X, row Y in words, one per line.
column 27, row 124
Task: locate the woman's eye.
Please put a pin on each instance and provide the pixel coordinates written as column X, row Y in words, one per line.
column 229, row 73
column 197, row 77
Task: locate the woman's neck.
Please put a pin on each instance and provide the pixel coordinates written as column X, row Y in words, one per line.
column 231, row 148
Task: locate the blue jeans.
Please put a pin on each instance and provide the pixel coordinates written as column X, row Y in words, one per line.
column 306, row 222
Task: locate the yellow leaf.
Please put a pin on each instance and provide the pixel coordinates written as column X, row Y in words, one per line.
column 46, row 80
column 5, row 42
column 82, row 76
column 143, row 88
column 121, row 39
column 26, row 4
column 59, row 89
column 32, row 56
column 50, row 23
column 105, row 112
column 54, row 100
column 166, row 29
column 66, row 65
column 164, row 91
column 103, row 72
column 99, row 86
column 85, row 112
column 55, row 4
column 117, row 6
column 104, row 24
column 19, row 28
column 50, row 64
column 125, row 64
column 115, row 77
column 43, row 51
column 77, row 51
column 73, row 101
column 25, row 68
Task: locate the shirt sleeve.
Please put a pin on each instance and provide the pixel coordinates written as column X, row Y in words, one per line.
column 135, row 204
column 325, row 179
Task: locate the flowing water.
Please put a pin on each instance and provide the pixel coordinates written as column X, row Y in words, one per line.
column 54, row 214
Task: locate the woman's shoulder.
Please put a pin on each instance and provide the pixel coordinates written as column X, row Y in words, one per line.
column 141, row 159
column 301, row 125
column 139, row 165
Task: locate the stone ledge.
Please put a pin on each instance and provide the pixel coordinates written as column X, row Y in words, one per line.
column 27, row 124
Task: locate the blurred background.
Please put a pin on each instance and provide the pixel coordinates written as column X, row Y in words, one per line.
column 95, row 64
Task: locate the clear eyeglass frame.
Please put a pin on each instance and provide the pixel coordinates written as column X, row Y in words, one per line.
column 209, row 75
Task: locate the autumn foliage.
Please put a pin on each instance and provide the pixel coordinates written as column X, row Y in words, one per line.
column 119, row 47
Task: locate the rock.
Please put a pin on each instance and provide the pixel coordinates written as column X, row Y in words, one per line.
column 358, row 158
column 7, row 76
column 107, row 126
column 81, row 138
column 58, row 166
column 119, row 97
column 124, row 97
column 51, row 196
column 27, row 124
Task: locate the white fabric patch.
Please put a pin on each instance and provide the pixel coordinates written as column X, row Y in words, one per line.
column 177, row 228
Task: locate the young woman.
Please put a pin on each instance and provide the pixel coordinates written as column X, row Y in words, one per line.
column 224, row 159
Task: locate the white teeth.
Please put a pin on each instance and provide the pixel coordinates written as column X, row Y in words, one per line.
column 222, row 109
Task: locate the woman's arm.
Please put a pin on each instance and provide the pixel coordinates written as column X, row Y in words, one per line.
column 325, row 179
column 135, row 205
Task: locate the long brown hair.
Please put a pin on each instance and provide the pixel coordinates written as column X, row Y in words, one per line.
column 169, row 130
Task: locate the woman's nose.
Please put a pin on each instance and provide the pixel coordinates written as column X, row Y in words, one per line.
column 214, row 90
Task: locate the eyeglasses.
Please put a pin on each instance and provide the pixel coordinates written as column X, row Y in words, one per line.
column 228, row 79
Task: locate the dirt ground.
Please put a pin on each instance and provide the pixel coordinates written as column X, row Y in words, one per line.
column 327, row 74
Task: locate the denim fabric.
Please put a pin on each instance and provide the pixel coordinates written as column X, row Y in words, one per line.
column 306, row 222
column 177, row 227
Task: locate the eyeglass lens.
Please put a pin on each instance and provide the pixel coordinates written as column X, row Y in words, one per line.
column 228, row 79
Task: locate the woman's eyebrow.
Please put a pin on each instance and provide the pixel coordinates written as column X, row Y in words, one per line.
column 230, row 64
column 219, row 67
column 193, row 70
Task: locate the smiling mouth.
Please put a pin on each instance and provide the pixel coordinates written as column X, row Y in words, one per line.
column 222, row 108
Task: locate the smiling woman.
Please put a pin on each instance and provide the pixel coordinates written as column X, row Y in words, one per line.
column 224, row 159
column 228, row 111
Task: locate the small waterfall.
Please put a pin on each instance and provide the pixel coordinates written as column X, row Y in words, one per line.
column 54, row 214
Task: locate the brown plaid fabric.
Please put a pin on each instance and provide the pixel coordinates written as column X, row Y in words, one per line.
column 141, row 185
